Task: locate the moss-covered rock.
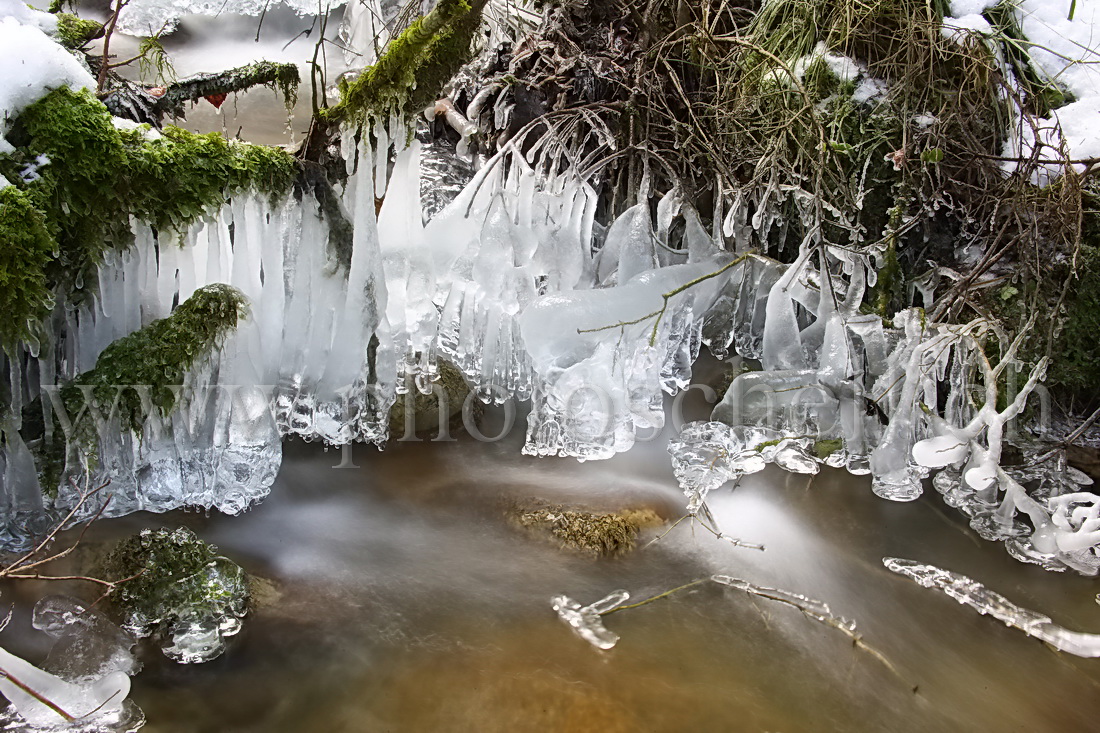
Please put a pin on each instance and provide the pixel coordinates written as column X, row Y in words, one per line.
column 159, row 355
column 426, row 409
column 155, row 359
column 589, row 532
column 178, row 587
column 74, row 31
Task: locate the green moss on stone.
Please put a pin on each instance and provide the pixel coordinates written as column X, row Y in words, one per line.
column 599, row 534
column 426, row 407
column 825, row 448
column 74, row 32
column 172, row 573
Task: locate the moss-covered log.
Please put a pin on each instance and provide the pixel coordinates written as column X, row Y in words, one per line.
column 90, row 178
column 414, row 67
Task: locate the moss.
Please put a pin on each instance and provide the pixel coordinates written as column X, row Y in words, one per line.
column 158, row 355
column 172, row 573
column 425, row 407
column 98, row 177
column 74, row 32
column 281, row 77
column 825, row 448
column 25, row 298
column 888, row 294
column 415, row 66
column 599, row 534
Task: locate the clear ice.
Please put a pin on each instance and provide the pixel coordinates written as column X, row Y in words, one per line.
column 585, row 620
column 986, row 602
column 84, row 683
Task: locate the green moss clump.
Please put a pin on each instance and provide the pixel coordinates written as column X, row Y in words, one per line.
column 25, row 298
column 98, row 177
column 599, row 534
column 158, row 355
column 415, row 66
column 825, row 448
column 172, row 575
column 74, row 31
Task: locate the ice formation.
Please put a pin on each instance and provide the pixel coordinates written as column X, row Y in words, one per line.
column 585, row 620
column 86, row 644
column 984, row 601
column 843, row 390
column 181, row 592
column 509, row 276
column 817, row 610
column 85, row 681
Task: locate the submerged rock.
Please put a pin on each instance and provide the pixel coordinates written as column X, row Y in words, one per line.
column 181, row 591
column 428, row 412
column 590, row 532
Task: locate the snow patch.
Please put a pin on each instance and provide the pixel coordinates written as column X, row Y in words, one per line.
column 25, row 15
column 1067, row 52
column 961, row 28
column 31, row 64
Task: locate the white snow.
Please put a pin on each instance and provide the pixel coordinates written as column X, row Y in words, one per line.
column 26, row 15
column 960, row 8
column 961, row 28
column 149, row 132
column 31, row 64
column 869, row 89
column 1068, row 53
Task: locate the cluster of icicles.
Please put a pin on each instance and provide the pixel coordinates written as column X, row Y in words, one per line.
column 516, row 284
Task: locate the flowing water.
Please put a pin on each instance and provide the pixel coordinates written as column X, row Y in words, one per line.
column 404, row 600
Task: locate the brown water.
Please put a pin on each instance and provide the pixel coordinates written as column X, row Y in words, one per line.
column 408, row 603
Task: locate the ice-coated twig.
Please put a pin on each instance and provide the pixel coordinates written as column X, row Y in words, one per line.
column 817, row 610
column 585, row 620
column 666, row 297
column 986, row 602
column 657, row 597
column 4, row 674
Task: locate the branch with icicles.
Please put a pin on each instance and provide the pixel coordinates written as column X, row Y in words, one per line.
column 587, row 621
column 1065, row 525
column 987, row 602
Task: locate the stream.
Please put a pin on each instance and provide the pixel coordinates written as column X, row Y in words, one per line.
column 396, row 594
